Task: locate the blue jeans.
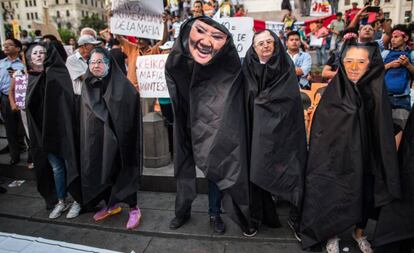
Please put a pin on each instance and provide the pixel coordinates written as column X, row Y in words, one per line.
column 214, row 199
column 321, row 55
column 59, row 173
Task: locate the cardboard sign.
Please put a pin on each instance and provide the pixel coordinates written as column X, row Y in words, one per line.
column 151, row 76
column 241, row 29
column 138, row 18
column 20, row 87
column 320, row 8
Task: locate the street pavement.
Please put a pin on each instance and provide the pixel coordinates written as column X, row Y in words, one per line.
column 22, row 211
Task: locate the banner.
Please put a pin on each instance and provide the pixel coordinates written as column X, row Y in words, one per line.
column 138, row 18
column 151, row 76
column 241, row 29
column 20, row 86
column 276, row 27
column 320, row 8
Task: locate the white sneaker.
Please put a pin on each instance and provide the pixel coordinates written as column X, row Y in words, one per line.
column 363, row 243
column 58, row 210
column 74, row 210
column 332, row 246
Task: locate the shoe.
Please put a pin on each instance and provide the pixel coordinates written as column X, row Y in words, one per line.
column 16, row 183
column 106, row 212
column 14, row 161
column 292, row 226
column 332, row 246
column 218, row 224
column 363, row 243
column 3, row 190
column 250, row 233
column 58, row 210
column 134, row 218
column 179, row 221
column 30, row 166
column 74, row 210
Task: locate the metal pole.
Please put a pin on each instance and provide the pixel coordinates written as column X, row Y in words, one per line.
column 2, row 35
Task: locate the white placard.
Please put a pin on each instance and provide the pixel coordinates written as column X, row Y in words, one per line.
column 138, row 18
column 315, row 41
column 151, row 76
column 68, row 49
column 320, row 8
column 241, row 29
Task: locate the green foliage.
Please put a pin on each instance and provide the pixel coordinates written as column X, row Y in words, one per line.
column 66, row 34
column 94, row 22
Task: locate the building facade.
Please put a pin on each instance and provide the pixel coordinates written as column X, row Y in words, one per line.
column 400, row 11
column 61, row 13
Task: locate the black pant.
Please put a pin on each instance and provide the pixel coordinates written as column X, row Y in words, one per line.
column 214, row 199
column 12, row 123
column 167, row 112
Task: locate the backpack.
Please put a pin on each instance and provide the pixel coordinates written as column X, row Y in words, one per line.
column 396, row 79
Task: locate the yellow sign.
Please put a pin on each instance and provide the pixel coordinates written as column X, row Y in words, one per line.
column 16, row 29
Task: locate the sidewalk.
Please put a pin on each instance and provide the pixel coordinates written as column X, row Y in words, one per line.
column 22, row 211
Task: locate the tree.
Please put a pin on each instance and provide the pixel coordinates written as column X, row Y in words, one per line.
column 93, row 22
column 66, row 34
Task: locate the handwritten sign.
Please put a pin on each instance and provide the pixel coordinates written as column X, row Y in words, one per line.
column 151, row 76
column 139, row 18
column 241, row 29
column 320, row 8
column 20, row 87
column 276, row 27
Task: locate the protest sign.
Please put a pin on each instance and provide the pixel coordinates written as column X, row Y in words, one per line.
column 151, row 76
column 68, row 49
column 138, row 18
column 241, row 29
column 320, row 8
column 20, row 86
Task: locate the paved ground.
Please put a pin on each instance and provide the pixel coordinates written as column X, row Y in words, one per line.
column 22, row 211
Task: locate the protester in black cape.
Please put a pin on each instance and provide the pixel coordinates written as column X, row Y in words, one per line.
column 394, row 232
column 352, row 162
column 111, row 138
column 49, row 108
column 210, row 125
column 277, row 129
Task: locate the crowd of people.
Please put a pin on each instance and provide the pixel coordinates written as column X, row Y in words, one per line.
column 240, row 121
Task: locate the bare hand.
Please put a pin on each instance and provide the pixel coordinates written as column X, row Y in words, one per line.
column 395, row 64
column 404, row 60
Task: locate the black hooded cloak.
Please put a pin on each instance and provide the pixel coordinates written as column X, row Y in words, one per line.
column 111, row 136
column 49, row 108
column 396, row 220
column 351, row 136
column 210, row 127
column 277, row 128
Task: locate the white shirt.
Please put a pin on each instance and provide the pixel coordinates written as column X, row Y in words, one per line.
column 77, row 67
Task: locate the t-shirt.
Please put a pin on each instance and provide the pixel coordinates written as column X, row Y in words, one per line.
column 337, row 26
column 132, row 51
column 119, row 57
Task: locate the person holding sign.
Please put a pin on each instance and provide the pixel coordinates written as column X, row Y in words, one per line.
column 111, row 138
column 204, row 79
column 143, row 47
column 277, row 130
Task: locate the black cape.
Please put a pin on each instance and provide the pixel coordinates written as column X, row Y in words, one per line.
column 351, row 135
column 111, row 137
column 49, row 108
column 277, row 128
column 210, row 127
column 396, row 220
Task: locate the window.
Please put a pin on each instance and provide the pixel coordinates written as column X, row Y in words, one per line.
column 58, row 14
column 30, row 3
column 101, row 4
column 28, row 16
column 407, row 17
column 67, row 13
column 87, row 13
column 92, row 2
column 57, row 1
column 83, row 14
column 387, row 1
column 81, row 1
column 31, row 15
column 86, row 2
column 2, row 5
column 18, row 16
column 67, row 1
column 10, row 5
column 34, row 2
column 37, row 17
column 347, row 2
column 11, row 17
column 17, row 5
column 386, row 15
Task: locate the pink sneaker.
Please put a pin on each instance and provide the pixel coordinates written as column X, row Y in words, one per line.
column 134, row 218
column 106, row 212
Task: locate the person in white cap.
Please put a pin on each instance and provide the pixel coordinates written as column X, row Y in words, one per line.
column 77, row 64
